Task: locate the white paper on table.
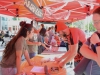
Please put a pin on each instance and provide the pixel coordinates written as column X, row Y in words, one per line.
column 37, row 69
column 62, row 49
column 52, row 59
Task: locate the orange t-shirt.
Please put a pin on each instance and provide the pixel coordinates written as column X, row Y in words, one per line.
column 77, row 35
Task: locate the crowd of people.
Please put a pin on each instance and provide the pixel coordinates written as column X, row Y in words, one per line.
column 23, row 43
column 4, row 35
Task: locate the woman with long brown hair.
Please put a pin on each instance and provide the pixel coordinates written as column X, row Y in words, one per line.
column 11, row 60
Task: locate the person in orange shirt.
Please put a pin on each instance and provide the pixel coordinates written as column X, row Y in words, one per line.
column 73, row 35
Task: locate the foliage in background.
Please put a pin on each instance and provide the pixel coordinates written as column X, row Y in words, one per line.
column 91, row 27
column 78, row 24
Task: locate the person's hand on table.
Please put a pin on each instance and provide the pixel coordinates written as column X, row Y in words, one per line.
column 61, row 64
column 54, row 43
column 44, row 60
column 31, row 64
column 57, row 59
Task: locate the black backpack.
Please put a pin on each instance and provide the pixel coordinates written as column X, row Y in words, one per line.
column 81, row 67
column 92, row 45
column 72, row 42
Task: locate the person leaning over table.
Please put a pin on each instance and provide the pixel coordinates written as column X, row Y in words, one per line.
column 73, row 35
column 93, row 67
column 40, row 38
column 11, row 60
column 32, row 43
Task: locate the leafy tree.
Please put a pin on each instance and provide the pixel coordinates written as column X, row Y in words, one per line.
column 91, row 27
column 79, row 24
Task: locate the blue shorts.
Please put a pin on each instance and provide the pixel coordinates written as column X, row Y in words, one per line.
column 92, row 68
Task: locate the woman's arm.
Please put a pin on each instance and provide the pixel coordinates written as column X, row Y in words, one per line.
column 44, row 46
column 27, row 57
column 95, row 39
column 66, row 54
column 36, row 43
column 63, row 56
column 18, row 60
column 33, row 43
column 38, row 29
column 72, row 53
column 88, row 53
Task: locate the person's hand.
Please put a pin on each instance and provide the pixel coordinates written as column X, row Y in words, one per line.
column 31, row 64
column 57, row 59
column 44, row 60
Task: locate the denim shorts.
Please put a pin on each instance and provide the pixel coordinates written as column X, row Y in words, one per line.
column 31, row 55
column 92, row 68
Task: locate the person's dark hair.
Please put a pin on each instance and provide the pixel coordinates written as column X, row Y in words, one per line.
column 55, row 28
column 7, row 32
column 42, row 31
column 64, row 35
column 22, row 32
column 42, row 25
column 49, row 28
column 97, row 11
